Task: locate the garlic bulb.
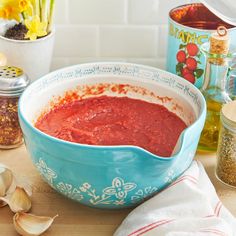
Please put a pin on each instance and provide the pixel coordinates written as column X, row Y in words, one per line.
column 6, row 179
column 31, row 225
column 18, row 201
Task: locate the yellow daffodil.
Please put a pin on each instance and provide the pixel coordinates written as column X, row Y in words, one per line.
column 36, row 15
column 10, row 10
column 26, row 6
column 6, row 2
column 35, row 28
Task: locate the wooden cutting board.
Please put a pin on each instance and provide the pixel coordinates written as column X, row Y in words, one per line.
column 75, row 219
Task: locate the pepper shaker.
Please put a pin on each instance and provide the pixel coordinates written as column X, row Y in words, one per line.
column 13, row 82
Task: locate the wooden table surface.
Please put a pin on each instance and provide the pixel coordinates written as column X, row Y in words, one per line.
column 76, row 219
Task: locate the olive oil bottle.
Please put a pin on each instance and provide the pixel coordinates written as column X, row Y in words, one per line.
column 215, row 92
column 215, row 98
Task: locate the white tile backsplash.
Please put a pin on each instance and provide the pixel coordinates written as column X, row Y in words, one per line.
column 76, row 41
column 162, row 40
column 126, row 41
column 59, row 62
column 143, row 11
column 112, row 30
column 96, row 11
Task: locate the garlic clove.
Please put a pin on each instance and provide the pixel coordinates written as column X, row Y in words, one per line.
column 18, row 201
column 24, row 183
column 31, row 225
column 6, row 179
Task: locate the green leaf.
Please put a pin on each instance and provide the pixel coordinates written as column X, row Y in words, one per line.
column 198, row 55
column 181, row 46
column 199, row 72
column 179, row 73
column 198, row 62
column 179, row 67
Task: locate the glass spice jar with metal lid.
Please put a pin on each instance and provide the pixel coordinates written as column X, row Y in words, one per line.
column 226, row 151
column 13, row 82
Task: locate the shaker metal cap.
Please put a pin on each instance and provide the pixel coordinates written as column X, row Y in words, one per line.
column 13, row 81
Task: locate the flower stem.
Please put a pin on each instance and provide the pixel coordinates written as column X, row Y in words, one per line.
column 32, row 9
column 51, row 14
column 44, row 16
column 23, row 16
column 37, row 8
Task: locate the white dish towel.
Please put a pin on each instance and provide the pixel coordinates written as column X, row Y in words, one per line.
column 188, row 207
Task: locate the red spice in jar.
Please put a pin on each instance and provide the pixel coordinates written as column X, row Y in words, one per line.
column 10, row 131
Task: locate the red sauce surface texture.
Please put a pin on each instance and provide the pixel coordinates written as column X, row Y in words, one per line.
column 108, row 120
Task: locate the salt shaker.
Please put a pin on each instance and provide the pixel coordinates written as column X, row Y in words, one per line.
column 13, row 82
column 226, row 151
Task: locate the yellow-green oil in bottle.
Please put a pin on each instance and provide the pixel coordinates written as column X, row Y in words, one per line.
column 209, row 137
column 215, row 93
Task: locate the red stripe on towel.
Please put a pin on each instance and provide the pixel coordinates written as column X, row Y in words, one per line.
column 148, row 226
column 138, row 230
column 209, row 216
column 154, row 227
column 217, row 208
column 214, row 231
column 182, row 179
column 190, row 176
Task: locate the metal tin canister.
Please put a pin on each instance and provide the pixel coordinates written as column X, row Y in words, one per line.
column 190, row 26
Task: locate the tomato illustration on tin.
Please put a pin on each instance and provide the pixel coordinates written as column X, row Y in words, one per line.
column 188, row 58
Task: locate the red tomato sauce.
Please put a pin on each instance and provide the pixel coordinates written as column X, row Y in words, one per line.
column 108, row 120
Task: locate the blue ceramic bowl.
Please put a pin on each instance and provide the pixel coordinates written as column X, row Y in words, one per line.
column 110, row 176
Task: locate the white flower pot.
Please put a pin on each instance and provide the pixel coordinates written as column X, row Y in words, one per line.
column 34, row 57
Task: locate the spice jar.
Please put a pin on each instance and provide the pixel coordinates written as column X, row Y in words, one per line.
column 226, row 151
column 13, row 81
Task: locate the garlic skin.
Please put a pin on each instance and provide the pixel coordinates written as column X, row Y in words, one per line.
column 24, row 183
column 6, row 179
column 18, row 201
column 31, row 225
